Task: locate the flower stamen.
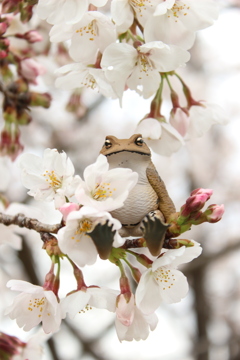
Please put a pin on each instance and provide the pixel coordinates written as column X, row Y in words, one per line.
column 161, row 275
column 102, row 191
column 52, row 179
column 177, row 7
column 84, row 226
column 37, row 304
column 139, row 5
column 91, row 29
column 87, row 308
column 89, row 82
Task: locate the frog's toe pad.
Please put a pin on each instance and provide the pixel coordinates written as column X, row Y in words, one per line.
column 155, row 214
column 154, row 230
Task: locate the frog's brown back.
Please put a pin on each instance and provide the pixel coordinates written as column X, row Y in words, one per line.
column 166, row 205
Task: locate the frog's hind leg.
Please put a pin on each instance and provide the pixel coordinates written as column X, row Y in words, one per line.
column 154, row 229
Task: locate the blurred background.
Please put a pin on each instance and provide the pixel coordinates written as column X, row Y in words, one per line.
column 206, row 324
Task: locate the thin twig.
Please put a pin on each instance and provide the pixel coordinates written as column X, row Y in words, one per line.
column 33, row 224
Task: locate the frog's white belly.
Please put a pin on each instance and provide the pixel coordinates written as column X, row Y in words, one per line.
column 141, row 200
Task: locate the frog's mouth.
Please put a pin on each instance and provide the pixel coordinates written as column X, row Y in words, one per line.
column 128, row 151
column 128, row 159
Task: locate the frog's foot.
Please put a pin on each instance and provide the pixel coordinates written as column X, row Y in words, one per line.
column 154, row 229
column 103, row 236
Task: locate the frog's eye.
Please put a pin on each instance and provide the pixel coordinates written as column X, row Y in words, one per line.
column 139, row 141
column 107, row 143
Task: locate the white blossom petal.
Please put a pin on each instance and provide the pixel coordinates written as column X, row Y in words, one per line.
column 74, row 303
column 103, row 298
column 150, row 129
column 122, row 14
column 165, row 57
column 59, row 11
column 106, row 190
column 169, row 142
column 201, row 118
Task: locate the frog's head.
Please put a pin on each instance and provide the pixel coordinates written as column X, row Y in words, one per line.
column 135, row 144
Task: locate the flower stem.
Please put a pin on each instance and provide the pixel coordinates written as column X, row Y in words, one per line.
column 187, row 93
column 168, row 81
column 141, row 258
column 78, row 274
column 157, row 103
column 136, row 274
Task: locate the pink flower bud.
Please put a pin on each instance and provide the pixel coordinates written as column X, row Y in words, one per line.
column 31, row 69
column 196, row 201
column 214, row 213
column 33, row 36
column 3, row 54
column 3, row 28
column 67, row 209
column 200, row 191
column 10, row 144
column 4, row 44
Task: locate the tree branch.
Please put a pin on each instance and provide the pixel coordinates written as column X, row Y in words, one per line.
column 33, row 224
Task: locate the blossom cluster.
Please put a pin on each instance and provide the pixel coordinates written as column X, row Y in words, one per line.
column 109, row 46
column 89, row 230
column 137, row 45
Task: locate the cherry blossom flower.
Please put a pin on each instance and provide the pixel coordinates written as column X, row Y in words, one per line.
column 32, row 349
column 175, row 22
column 73, row 239
column 49, row 178
column 34, row 305
column 30, row 69
column 86, row 298
column 105, row 189
column 160, row 136
column 162, row 283
column 131, row 323
column 78, row 75
column 69, row 11
column 93, row 33
column 139, row 68
column 200, row 120
column 123, row 12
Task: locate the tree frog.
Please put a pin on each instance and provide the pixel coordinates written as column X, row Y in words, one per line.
column 149, row 196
